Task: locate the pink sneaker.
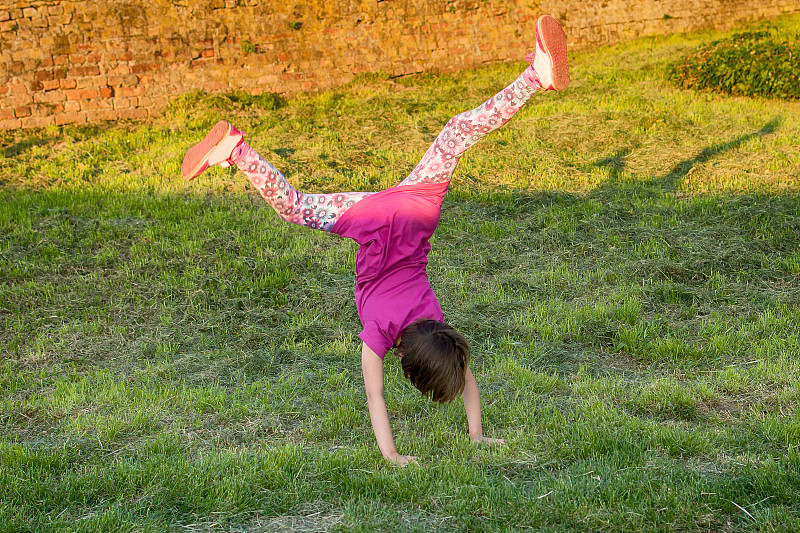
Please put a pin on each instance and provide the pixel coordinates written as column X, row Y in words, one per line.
column 549, row 61
column 215, row 149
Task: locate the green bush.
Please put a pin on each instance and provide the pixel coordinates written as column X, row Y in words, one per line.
column 745, row 64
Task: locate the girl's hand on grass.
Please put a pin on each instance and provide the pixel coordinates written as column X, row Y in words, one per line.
column 403, row 460
column 487, row 440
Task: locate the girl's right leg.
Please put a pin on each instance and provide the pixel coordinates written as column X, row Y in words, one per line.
column 224, row 145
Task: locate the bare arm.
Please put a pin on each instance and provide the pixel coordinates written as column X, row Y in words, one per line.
column 372, row 368
column 472, row 405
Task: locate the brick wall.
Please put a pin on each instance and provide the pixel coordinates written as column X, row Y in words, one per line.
column 68, row 61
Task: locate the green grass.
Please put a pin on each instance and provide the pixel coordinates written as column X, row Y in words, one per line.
column 623, row 256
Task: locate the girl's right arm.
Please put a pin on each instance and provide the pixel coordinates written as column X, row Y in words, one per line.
column 372, row 368
column 472, row 405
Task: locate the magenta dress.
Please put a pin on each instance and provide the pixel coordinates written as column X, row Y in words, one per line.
column 393, row 228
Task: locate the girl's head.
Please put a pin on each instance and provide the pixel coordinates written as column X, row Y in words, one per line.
column 435, row 358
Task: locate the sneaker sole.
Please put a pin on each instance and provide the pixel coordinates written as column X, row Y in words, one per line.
column 554, row 43
column 196, row 159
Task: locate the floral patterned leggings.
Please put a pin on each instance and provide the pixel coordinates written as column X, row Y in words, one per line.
column 321, row 211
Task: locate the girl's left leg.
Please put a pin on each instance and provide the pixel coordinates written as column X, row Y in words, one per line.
column 548, row 70
column 465, row 129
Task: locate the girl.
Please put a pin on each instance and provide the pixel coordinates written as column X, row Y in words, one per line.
column 395, row 302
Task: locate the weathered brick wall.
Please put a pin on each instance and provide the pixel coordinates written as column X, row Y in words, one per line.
column 69, row 61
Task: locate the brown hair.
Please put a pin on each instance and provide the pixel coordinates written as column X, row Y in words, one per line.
column 434, row 357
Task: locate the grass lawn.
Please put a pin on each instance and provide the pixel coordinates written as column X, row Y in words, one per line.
column 624, row 258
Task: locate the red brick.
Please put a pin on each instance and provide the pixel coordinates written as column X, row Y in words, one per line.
column 49, row 97
column 18, row 88
column 212, row 86
column 23, row 111
column 161, row 102
column 77, row 59
column 130, row 80
column 88, row 70
column 134, row 114
column 102, row 114
column 36, row 86
column 55, row 21
column 119, row 69
column 129, row 91
column 106, row 92
column 12, row 124
column 124, row 56
column 67, row 84
column 4, row 15
column 37, row 122
column 201, row 62
column 6, row 113
column 91, row 81
column 3, row 90
column 96, row 103
column 143, row 67
column 81, row 94
column 42, row 75
column 207, row 53
column 49, row 85
column 16, row 100
column 72, row 106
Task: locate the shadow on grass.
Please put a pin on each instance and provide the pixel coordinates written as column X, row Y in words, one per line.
column 615, row 163
column 668, row 182
column 48, row 136
column 507, row 199
column 17, row 148
column 679, row 171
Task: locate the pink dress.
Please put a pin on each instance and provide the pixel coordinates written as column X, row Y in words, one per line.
column 393, row 228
